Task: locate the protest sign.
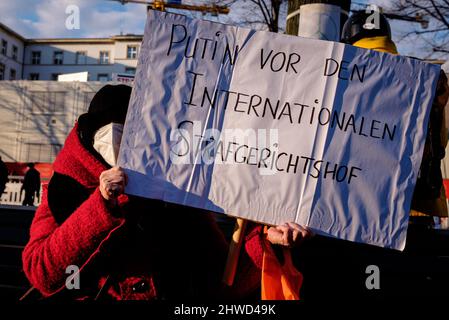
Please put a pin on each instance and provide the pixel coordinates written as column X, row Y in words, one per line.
column 274, row 128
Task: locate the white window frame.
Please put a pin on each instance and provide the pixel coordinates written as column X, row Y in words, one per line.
column 81, row 54
column 101, row 59
column 129, row 55
column 37, row 57
column 56, row 53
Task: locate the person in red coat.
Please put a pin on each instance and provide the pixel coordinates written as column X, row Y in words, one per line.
column 123, row 247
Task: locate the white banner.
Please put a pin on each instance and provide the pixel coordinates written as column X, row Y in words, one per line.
column 275, row 128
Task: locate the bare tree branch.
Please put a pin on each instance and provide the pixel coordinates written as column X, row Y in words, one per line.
column 265, row 12
column 437, row 10
column 434, row 40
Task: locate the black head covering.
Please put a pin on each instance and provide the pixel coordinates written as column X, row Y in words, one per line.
column 357, row 28
column 110, row 104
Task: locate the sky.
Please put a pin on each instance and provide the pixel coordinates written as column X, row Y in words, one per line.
column 47, row 18
column 103, row 18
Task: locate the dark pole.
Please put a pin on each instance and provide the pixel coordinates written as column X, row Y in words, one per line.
column 294, row 5
column 293, row 23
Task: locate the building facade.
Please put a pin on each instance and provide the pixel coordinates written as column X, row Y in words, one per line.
column 36, row 117
column 11, row 54
column 45, row 59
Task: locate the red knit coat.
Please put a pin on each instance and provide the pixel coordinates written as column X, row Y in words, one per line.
column 179, row 253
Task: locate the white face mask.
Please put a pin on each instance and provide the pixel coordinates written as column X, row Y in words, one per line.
column 107, row 142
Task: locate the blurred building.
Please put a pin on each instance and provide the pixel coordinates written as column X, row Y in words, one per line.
column 36, row 117
column 45, row 59
column 11, row 54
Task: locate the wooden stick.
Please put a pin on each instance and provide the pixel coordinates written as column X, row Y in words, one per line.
column 234, row 251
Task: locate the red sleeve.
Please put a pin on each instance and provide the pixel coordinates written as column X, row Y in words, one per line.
column 254, row 245
column 53, row 247
column 248, row 276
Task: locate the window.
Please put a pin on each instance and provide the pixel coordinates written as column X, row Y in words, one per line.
column 4, row 47
column 12, row 74
column 102, row 77
column 130, row 70
column 47, row 102
column 131, row 52
column 15, row 51
column 34, row 76
column 35, row 57
column 58, row 57
column 81, row 57
column 2, row 71
column 54, row 76
column 46, row 113
column 38, row 152
column 104, row 57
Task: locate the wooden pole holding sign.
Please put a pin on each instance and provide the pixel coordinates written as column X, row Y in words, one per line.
column 234, row 251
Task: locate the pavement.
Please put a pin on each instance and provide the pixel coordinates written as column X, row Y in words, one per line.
column 15, row 222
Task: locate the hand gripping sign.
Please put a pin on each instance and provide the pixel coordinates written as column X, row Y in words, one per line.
column 274, row 128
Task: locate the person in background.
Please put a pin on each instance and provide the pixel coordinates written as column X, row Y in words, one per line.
column 429, row 198
column 125, row 247
column 444, row 221
column 3, row 176
column 31, row 185
column 360, row 32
